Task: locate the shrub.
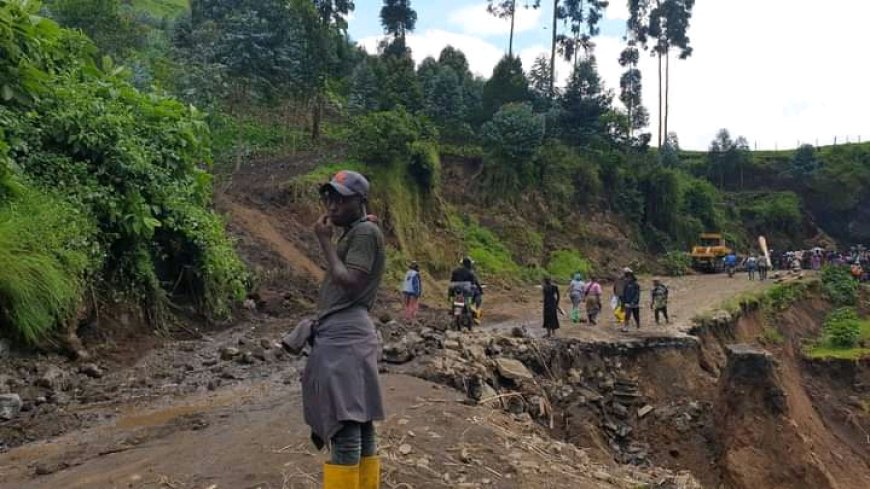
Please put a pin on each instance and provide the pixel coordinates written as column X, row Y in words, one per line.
column 425, row 166
column 131, row 164
column 839, row 286
column 511, row 140
column 383, row 138
column 676, row 263
column 843, row 328
column 781, row 296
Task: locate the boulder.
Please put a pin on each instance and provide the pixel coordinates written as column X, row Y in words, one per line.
column 10, row 406
column 5, row 348
column 513, row 369
column 91, row 370
column 397, row 352
column 229, row 353
column 52, row 378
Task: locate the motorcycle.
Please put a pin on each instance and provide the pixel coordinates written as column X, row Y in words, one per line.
column 463, row 317
column 464, row 311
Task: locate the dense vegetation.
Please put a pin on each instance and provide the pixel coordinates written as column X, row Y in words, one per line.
column 104, row 188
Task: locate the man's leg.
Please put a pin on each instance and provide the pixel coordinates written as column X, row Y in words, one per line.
column 665, row 312
column 368, row 440
column 347, row 444
column 636, row 312
column 657, row 312
column 370, row 463
column 343, row 471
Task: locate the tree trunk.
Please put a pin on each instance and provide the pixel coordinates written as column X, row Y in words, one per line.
column 576, row 42
column 660, row 101
column 553, row 51
column 667, row 89
column 513, row 19
column 316, row 116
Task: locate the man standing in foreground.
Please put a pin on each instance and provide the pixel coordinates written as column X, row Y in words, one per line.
column 341, row 394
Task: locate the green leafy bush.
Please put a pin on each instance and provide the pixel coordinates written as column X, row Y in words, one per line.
column 383, row 138
column 781, row 296
column 676, row 263
column 843, row 328
column 511, row 140
column 839, row 286
column 425, row 166
column 132, row 164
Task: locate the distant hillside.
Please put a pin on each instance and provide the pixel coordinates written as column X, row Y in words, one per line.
column 832, row 182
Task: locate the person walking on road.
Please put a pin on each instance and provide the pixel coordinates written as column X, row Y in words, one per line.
column 631, row 300
column 763, row 267
column 593, row 293
column 751, row 266
column 341, row 392
column 659, row 301
column 575, row 292
column 551, row 306
column 412, row 289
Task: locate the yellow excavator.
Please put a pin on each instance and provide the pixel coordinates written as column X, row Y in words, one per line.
column 709, row 254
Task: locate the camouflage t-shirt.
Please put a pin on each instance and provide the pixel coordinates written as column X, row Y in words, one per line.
column 361, row 248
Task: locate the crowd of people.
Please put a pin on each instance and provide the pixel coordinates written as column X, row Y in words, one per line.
column 625, row 302
column 857, row 258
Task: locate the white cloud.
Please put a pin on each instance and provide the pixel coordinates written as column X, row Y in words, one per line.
column 482, row 55
column 617, row 10
column 475, row 20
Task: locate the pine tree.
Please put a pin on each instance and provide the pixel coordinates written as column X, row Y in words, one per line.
column 364, row 90
column 398, row 19
column 507, row 84
column 584, row 104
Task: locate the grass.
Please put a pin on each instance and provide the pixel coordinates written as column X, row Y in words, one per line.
column 772, row 335
column 46, row 249
column 564, row 264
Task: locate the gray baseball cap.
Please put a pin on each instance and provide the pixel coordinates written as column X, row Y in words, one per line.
column 347, row 183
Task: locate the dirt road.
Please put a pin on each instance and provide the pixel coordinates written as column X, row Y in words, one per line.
column 690, row 296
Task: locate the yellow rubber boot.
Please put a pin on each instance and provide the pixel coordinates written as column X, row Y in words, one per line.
column 370, row 473
column 341, row 476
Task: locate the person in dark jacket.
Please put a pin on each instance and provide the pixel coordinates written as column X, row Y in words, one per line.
column 631, row 301
column 551, row 306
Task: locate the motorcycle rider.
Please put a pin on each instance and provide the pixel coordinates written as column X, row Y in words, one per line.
column 731, row 263
column 465, row 278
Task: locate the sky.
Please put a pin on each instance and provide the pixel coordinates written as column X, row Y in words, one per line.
column 778, row 72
